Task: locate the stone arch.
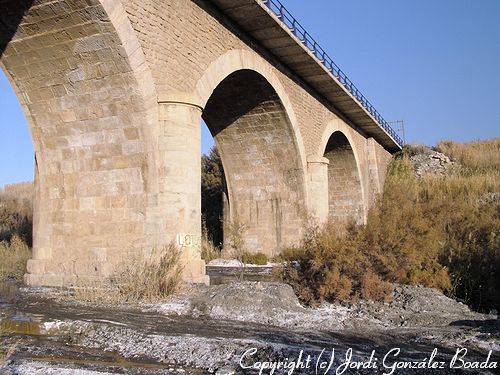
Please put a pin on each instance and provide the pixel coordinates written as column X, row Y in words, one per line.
column 235, row 60
column 82, row 80
column 346, row 193
column 259, row 147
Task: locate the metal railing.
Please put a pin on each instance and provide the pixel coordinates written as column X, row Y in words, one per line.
column 308, row 41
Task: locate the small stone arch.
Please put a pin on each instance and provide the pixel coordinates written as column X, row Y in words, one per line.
column 346, row 193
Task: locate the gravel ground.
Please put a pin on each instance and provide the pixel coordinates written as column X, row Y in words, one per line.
column 208, row 328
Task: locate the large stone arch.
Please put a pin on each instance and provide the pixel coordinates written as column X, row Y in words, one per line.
column 81, row 77
column 346, row 192
column 254, row 127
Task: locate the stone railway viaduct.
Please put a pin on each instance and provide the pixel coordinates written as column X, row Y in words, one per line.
column 114, row 92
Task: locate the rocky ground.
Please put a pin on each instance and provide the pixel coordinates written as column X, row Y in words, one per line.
column 207, row 329
column 428, row 161
column 276, row 304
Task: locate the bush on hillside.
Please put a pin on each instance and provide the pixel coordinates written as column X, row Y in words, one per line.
column 331, row 265
column 437, row 231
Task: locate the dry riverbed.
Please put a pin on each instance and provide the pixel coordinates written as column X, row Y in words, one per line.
column 209, row 329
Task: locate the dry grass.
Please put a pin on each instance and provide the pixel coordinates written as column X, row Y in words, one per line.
column 478, row 155
column 6, row 352
column 16, row 213
column 257, row 258
column 13, row 258
column 438, row 231
column 20, row 190
column 140, row 279
column 416, row 148
column 234, row 241
column 16, row 222
column 208, row 249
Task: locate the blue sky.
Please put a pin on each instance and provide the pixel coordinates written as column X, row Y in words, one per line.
column 432, row 63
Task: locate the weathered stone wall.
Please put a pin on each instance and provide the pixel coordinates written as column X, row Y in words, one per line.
column 114, row 92
column 86, row 110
